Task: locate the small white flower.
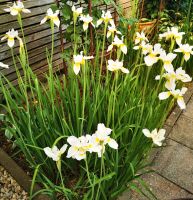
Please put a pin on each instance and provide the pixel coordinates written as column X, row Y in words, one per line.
column 100, row 138
column 167, row 60
column 156, row 136
column 172, row 77
column 146, row 48
column 152, row 57
column 17, row 8
column 10, row 36
column 4, row 65
column 77, row 12
column 86, row 19
column 186, row 49
column 182, row 76
column 173, row 34
column 116, row 65
column 52, row 16
column 80, row 60
column 79, row 147
column 140, row 37
column 54, row 152
column 106, row 18
column 177, row 94
column 119, row 43
column 112, row 30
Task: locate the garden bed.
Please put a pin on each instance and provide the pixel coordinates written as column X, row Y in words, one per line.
column 88, row 135
column 19, row 169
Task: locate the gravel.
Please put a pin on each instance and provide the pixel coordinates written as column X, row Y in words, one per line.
column 9, row 188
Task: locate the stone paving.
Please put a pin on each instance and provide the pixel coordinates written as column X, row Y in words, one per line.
column 173, row 163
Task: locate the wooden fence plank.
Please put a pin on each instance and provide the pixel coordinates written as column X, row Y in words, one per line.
column 7, row 18
column 30, row 38
column 31, row 46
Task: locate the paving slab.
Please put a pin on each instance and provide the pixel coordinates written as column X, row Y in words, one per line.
column 189, row 110
column 175, row 162
column 173, row 117
column 161, row 187
column 182, row 131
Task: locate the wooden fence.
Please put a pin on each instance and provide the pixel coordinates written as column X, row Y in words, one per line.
column 38, row 37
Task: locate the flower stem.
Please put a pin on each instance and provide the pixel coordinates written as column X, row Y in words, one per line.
column 182, row 62
column 52, row 50
column 101, row 174
column 19, row 19
column 88, row 175
column 172, row 45
column 84, row 93
column 58, row 164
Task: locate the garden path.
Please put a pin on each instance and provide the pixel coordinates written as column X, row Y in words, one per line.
column 173, row 163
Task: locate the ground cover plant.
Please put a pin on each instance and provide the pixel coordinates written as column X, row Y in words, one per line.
column 86, row 134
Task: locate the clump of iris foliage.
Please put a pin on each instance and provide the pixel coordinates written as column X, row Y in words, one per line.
column 86, row 134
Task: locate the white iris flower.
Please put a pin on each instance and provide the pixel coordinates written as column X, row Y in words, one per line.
column 79, row 147
column 100, row 138
column 10, row 36
column 17, row 8
column 177, row 94
column 167, row 60
column 119, row 44
column 173, row 34
column 186, row 49
column 116, row 65
column 51, row 16
column 54, row 152
column 87, row 19
column 140, row 37
column 80, row 60
column 152, row 57
column 106, row 18
column 156, row 136
column 77, row 12
column 173, row 76
column 112, row 30
column 146, row 48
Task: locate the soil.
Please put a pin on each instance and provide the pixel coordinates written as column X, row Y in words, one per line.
column 7, row 146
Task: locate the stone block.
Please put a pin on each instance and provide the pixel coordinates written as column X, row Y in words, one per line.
column 175, row 162
column 161, row 188
column 189, row 109
column 182, row 131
